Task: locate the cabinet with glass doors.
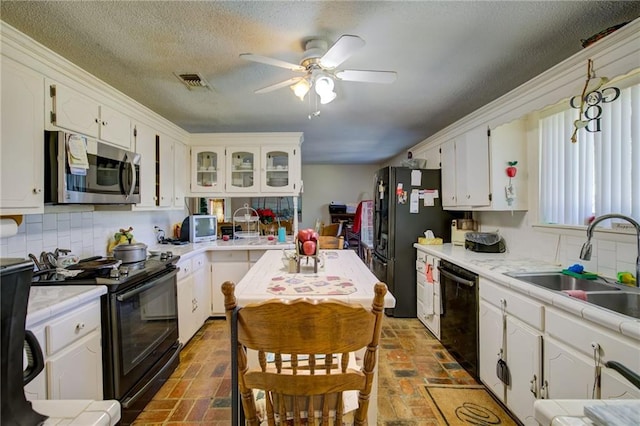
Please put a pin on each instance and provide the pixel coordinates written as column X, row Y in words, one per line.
column 208, row 169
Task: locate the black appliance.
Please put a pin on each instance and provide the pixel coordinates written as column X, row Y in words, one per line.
column 15, row 282
column 140, row 347
column 81, row 170
column 484, row 242
column 395, row 230
column 459, row 317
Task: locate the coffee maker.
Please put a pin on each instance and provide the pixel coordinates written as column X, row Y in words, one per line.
column 15, row 283
column 459, row 227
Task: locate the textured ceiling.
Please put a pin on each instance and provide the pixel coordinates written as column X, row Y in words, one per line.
column 451, row 58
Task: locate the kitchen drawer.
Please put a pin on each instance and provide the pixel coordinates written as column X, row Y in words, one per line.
column 185, row 268
column 73, row 326
column 198, row 261
column 580, row 334
column 421, row 267
column 421, row 257
column 229, row 256
column 420, row 286
column 521, row 307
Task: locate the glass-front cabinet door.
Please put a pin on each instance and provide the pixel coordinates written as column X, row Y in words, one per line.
column 242, row 169
column 207, row 169
column 278, row 169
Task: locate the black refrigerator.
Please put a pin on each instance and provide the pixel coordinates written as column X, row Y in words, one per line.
column 396, row 229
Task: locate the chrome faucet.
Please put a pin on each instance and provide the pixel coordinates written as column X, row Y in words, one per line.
column 585, row 253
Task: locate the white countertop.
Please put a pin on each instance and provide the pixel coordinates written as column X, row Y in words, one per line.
column 342, row 263
column 187, row 250
column 494, row 265
column 79, row 412
column 569, row 412
column 47, row 301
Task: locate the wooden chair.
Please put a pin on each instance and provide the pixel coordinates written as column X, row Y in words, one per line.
column 336, row 243
column 310, row 342
column 330, row 230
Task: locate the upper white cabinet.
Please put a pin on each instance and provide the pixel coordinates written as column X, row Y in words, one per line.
column 246, row 163
column 22, row 143
column 242, row 169
column 465, row 170
column 474, row 169
column 165, row 178
column 180, row 170
column 72, row 110
column 278, row 166
column 207, row 169
column 145, row 145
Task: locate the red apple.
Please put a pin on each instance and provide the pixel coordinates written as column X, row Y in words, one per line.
column 511, row 170
column 314, row 236
column 309, row 248
column 304, row 235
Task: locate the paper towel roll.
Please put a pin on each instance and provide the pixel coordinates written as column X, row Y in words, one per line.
column 8, row 228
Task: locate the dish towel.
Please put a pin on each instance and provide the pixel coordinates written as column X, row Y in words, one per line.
column 578, row 294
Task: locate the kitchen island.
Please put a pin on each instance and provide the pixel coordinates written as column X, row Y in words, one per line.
column 342, row 275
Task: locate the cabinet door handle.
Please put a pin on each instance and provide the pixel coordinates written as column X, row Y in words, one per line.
column 80, row 326
column 37, row 190
column 97, row 121
column 104, row 123
column 534, row 386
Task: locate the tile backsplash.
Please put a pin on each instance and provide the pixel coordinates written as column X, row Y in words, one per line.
column 86, row 234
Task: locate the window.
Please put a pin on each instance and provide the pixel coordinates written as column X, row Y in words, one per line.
column 600, row 173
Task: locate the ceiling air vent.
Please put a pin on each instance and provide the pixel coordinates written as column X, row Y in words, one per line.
column 192, row 80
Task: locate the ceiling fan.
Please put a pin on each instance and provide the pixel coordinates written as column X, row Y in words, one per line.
column 319, row 65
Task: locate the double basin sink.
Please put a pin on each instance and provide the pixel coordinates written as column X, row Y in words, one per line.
column 615, row 297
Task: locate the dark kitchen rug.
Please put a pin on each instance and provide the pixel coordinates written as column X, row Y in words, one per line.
column 465, row 405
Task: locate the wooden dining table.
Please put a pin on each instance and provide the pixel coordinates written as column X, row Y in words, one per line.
column 341, row 275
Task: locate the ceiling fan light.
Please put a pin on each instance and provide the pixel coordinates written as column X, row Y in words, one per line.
column 324, row 86
column 327, row 97
column 301, row 88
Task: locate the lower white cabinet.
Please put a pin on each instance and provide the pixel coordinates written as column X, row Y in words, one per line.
column 231, row 266
column 567, row 373
column 71, row 344
column 511, row 323
column 428, row 292
column 194, row 296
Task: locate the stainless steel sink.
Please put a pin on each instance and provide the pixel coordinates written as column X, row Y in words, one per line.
column 622, row 302
column 559, row 282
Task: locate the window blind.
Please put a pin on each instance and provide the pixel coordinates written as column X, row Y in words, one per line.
column 600, row 173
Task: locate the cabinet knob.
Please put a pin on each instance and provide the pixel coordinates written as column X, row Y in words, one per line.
column 104, row 123
column 468, row 196
column 97, row 121
column 37, row 190
column 79, row 326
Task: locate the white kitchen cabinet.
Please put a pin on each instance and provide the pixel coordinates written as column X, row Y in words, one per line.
column 522, row 322
column 251, row 164
column 77, row 112
column 567, row 373
column 207, row 169
column 180, row 176
column 21, row 143
column 165, row 159
column 71, row 345
column 279, row 164
column 489, row 345
column 465, row 167
column 226, row 266
column 428, row 293
column 242, row 166
column 474, row 167
column 145, row 145
column 194, row 295
column 614, row 386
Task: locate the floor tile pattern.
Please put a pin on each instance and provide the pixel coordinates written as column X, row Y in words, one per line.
column 199, row 391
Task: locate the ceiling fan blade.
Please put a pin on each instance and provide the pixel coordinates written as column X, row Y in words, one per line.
column 385, row 77
column 341, row 50
column 272, row 61
column 276, row 86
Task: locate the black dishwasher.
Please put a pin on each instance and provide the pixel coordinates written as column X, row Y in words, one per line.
column 459, row 318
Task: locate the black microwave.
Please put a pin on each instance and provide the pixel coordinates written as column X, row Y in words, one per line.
column 81, row 170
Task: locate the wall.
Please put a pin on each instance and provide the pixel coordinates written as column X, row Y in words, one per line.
column 85, row 233
column 326, row 183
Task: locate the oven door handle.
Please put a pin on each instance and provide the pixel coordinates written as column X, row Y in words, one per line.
column 130, row 161
column 456, row 278
column 124, row 296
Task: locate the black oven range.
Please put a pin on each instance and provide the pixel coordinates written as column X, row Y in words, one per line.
column 139, row 325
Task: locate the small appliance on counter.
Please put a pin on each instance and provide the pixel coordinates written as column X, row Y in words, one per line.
column 459, row 227
column 484, row 242
column 197, row 228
